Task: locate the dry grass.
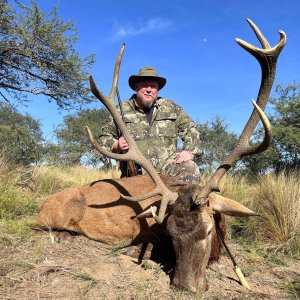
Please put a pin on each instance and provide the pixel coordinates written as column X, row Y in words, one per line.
column 237, row 188
column 38, row 260
column 15, row 201
column 11, row 174
column 78, row 175
column 277, row 199
column 52, row 179
column 18, row 206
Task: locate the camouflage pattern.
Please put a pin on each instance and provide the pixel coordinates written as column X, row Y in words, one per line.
column 187, row 171
column 157, row 140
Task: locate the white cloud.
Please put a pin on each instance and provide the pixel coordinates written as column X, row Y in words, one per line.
column 152, row 25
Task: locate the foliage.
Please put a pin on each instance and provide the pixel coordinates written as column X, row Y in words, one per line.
column 276, row 197
column 20, row 136
column 278, row 203
column 284, row 152
column 286, row 124
column 216, row 143
column 17, row 204
column 37, row 56
column 74, row 146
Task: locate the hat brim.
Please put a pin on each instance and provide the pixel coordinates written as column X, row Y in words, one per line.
column 135, row 78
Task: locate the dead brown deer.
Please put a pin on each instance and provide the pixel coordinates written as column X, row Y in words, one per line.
column 115, row 210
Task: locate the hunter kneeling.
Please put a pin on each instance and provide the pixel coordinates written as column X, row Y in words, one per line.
column 155, row 124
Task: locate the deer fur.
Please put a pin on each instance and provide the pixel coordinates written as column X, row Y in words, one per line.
column 98, row 211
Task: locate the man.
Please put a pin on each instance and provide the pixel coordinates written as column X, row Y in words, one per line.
column 156, row 124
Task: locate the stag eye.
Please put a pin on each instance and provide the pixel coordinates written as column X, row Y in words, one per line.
column 209, row 231
column 197, row 207
column 194, row 207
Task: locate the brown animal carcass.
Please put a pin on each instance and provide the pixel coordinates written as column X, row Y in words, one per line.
column 116, row 210
column 99, row 212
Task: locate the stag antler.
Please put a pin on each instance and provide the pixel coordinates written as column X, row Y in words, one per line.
column 267, row 58
column 133, row 154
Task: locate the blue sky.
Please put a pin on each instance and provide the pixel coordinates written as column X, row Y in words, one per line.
column 191, row 43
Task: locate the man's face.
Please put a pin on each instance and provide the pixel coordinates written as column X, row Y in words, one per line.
column 146, row 93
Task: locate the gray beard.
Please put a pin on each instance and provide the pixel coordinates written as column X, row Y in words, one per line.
column 147, row 104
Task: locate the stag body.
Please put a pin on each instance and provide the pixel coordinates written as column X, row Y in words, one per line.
column 107, row 210
column 98, row 211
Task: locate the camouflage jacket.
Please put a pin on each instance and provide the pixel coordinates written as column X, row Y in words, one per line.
column 157, row 140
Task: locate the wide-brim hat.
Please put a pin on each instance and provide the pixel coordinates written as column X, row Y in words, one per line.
column 147, row 73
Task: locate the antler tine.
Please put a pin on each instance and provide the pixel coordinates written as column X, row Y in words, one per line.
column 268, row 134
column 168, row 197
column 110, row 99
column 263, row 41
column 267, row 58
column 133, row 152
column 113, row 90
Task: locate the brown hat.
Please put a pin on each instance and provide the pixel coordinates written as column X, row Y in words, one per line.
column 147, row 73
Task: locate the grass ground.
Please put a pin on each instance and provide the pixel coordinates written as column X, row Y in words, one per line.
column 46, row 267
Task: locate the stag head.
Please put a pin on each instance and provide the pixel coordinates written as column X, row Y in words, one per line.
column 188, row 213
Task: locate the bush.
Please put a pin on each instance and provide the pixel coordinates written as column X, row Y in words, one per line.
column 277, row 200
column 15, row 201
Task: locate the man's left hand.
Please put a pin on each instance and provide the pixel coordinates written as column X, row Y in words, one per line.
column 183, row 156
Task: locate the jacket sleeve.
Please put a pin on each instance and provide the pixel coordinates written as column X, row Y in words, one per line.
column 188, row 133
column 108, row 134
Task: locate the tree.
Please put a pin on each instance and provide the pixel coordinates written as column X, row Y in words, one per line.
column 37, row 56
column 216, row 143
column 284, row 152
column 74, row 146
column 286, row 124
column 20, row 136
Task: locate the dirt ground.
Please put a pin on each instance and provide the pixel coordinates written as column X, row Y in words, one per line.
column 49, row 268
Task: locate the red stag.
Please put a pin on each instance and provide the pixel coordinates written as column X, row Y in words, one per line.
column 115, row 210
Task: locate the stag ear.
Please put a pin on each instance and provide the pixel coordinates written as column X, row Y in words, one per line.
column 229, row 206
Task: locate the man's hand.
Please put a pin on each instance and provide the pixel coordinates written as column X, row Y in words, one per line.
column 183, row 156
column 120, row 145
